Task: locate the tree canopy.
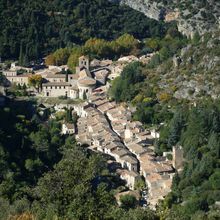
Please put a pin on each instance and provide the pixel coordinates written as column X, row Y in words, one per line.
column 30, row 29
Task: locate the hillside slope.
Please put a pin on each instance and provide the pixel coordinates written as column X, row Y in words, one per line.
column 193, row 73
column 36, row 28
column 191, row 16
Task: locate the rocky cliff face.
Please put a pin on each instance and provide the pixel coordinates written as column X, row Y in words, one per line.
column 200, row 16
column 150, row 9
column 193, row 73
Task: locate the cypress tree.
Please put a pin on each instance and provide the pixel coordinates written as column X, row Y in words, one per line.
column 26, row 58
column 21, row 55
column 84, row 95
column 66, row 73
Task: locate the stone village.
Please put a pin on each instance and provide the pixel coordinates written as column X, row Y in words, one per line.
column 106, row 126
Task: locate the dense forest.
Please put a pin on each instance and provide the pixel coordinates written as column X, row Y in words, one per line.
column 196, row 189
column 33, row 29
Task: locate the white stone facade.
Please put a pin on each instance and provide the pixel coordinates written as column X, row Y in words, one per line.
column 56, row 89
column 80, row 85
column 68, row 128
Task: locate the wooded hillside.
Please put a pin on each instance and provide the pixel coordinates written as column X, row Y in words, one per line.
column 34, row 28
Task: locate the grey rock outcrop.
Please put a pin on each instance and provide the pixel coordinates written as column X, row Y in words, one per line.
column 150, row 9
column 201, row 18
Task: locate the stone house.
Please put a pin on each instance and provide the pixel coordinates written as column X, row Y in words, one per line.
column 9, row 73
column 112, row 146
column 56, row 78
column 130, row 177
column 158, row 187
column 133, row 129
column 116, row 70
column 149, row 164
column 19, row 79
column 80, row 109
column 178, row 158
column 136, row 149
column 129, row 162
column 106, row 107
column 68, row 128
column 158, row 175
column 56, row 89
column 101, row 76
column 154, row 133
column 15, row 67
column 118, row 153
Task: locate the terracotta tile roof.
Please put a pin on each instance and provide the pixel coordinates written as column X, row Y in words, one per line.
column 70, row 125
column 56, row 84
column 87, row 81
column 49, row 75
column 136, row 148
column 21, row 75
column 121, row 152
column 124, row 172
column 129, row 159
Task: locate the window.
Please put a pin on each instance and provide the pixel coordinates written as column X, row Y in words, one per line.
column 55, row 87
column 64, row 87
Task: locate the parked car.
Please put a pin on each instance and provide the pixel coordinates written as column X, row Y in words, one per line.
column 144, row 193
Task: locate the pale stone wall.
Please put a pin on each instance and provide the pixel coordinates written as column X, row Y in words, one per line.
column 178, row 157
column 55, row 91
column 9, row 73
column 18, row 80
column 73, row 94
column 85, row 89
column 66, row 130
column 84, row 62
column 56, row 79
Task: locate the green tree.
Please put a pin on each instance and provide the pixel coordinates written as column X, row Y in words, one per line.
column 128, row 202
column 84, row 95
column 123, row 87
column 69, row 187
column 140, row 184
column 215, row 180
column 21, row 55
column 176, row 126
column 35, row 81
